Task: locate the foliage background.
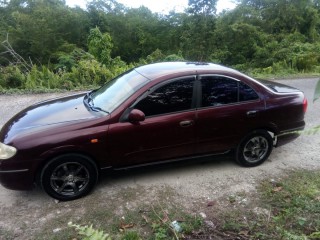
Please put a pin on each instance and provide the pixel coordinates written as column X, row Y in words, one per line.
column 48, row 45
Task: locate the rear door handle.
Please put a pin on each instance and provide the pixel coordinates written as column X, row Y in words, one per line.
column 252, row 113
column 186, row 123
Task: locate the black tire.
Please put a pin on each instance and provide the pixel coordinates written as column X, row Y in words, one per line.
column 69, row 177
column 254, row 149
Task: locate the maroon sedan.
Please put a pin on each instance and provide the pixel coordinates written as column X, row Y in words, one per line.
column 148, row 115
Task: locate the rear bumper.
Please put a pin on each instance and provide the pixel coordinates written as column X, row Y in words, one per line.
column 288, row 136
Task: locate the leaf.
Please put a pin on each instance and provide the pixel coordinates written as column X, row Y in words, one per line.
column 244, row 233
column 277, row 189
column 317, row 92
column 302, row 221
column 145, row 218
column 315, row 235
column 125, row 226
column 165, row 218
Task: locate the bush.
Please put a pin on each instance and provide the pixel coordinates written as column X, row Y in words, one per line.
column 11, row 77
column 89, row 72
column 42, row 78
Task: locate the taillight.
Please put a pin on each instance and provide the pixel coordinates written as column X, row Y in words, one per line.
column 305, row 105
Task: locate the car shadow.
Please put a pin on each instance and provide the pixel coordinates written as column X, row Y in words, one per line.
column 159, row 171
column 124, row 178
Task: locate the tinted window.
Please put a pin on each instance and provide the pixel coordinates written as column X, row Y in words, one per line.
column 172, row 97
column 246, row 93
column 218, row 90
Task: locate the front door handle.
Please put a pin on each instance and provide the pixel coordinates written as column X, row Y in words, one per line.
column 186, row 123
column 252, row 113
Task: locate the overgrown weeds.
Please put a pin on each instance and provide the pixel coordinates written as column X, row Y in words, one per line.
column 287, row 208
column 152, row 222
column 284, row 208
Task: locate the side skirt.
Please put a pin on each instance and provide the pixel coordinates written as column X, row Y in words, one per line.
column 171, row 161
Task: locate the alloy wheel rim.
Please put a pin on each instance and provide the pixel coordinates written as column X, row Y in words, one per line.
column 256, row 149
column 69, row 179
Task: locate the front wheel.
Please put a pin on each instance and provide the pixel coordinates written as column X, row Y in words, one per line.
column 69, row 177
column 254, row 149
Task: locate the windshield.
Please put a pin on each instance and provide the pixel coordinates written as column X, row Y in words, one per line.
column 115, row 92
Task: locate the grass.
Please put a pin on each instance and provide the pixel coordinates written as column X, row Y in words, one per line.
column 280, row 75
column 44, row 90
column 288, row 208
column 295, row 204
column 5, row 234
column 154, row 222
column 285, row 208
column 128, row 216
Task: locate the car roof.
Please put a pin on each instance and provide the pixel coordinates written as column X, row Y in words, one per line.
column 155, row 70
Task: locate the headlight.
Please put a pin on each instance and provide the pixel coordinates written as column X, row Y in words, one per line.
column 6, row 151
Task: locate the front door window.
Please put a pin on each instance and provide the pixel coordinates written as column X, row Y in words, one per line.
column 172, row 97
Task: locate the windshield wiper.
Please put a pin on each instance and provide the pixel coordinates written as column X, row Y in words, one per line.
column 90, row 103
column 97, row 109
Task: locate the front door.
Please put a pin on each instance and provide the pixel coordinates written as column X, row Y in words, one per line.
column 167, row 132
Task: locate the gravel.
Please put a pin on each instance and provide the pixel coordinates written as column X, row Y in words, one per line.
column 203, row 181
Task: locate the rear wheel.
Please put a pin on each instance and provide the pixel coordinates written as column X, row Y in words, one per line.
column 254, row 149
column 69, row 177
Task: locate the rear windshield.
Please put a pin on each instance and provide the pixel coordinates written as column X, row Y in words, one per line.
column 278, row 87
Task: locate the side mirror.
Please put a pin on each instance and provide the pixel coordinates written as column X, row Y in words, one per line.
column 136, row 116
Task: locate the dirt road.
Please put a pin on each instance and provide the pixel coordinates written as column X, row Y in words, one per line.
column 23, row 214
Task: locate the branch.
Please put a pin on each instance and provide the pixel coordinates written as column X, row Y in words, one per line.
column 19, row 60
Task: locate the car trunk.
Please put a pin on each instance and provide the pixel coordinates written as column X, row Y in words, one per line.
column 278, row 87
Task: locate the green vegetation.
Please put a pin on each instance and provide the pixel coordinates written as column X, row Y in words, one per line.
column 127, row 214
column 153, row 222
column 89, row 232
column 287, row 208
column 5, row 234
column 317, row 92
column 284, row 208
column 156, row 222
column 48, row 45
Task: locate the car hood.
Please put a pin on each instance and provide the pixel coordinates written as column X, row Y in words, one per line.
column 48, row 113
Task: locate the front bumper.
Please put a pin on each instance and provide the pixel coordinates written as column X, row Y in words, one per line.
column 16, row 179
column 16, row 175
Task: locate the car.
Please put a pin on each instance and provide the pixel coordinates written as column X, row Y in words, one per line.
column 151, row 114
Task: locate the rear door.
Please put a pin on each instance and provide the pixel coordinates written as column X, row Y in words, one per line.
column 227, row 110
column 168, row 130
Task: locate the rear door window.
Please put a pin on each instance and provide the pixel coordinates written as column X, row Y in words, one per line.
column 220, row 90
column 246, row 93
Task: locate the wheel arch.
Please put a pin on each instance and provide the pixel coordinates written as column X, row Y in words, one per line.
column 271, row 129
column 261, row 131
column 55, row 155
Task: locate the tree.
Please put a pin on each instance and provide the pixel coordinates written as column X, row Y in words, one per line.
column 100, row 45
column 202, row 7
column 41, row 29
column 198, row 30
